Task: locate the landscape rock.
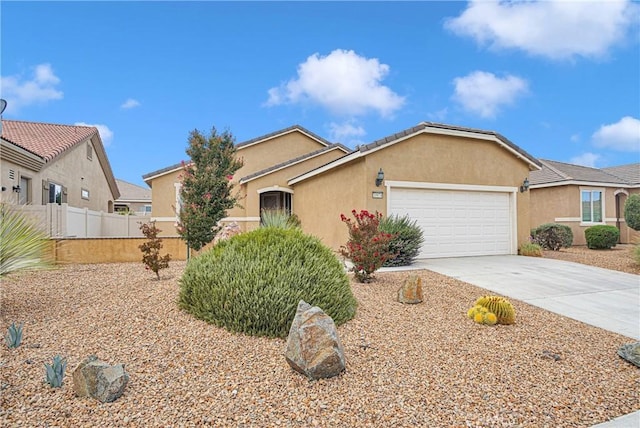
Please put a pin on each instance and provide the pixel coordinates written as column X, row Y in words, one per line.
column 411, row 290
column 631, row 353
column 313, row 346
column 97, row 379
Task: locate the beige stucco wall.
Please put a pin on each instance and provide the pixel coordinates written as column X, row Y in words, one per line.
column 256, row 157
column 72, row 170
column 424, row 158
column 561, row 204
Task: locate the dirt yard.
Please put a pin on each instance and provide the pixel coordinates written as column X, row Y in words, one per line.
column 618, row 258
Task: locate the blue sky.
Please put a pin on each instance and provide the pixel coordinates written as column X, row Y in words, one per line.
column 559, row 79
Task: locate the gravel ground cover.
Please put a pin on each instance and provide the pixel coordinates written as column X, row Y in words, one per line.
column 618, row 258
column 423, row 365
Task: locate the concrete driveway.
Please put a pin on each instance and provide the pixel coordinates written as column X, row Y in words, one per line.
column 600, row 297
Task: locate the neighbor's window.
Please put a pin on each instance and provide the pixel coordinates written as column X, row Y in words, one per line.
column 55, row 193
column 85, row 194
column 146, row 209
column 592, row 211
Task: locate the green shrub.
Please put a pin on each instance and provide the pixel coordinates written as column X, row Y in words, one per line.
column 22, row 244
column 252, row 283
column 406, row 242
column 530, row 249
column 601, row 237
column 279, row 218
column 632, row 211
column 552, row 236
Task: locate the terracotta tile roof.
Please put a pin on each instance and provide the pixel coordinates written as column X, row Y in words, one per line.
column 629, row 173
column 132, row 192
column 559, row 172
column 46, row 140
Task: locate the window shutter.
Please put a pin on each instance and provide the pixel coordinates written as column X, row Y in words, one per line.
column 45, row 192
column 63, row 198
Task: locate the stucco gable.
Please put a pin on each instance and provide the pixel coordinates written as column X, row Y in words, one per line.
column 425, row 128
column 276, row 134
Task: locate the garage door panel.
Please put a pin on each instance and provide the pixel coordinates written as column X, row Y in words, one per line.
column 457, row 223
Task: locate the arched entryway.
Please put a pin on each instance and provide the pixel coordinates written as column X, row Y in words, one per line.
column 276, row 198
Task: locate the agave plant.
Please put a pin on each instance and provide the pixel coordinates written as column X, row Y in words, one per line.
column 279, row 218
column 14, row 335
column 55, row 371
column 22, row 244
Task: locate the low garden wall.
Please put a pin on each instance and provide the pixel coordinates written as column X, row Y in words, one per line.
column 110, row 250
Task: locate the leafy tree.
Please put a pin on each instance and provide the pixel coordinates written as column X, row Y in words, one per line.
column 632, row 211
column 151, row 257
column 206, row 186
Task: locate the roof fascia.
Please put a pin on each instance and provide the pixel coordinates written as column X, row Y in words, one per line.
column 20, row 156
column 582, row 183
column 280, row 134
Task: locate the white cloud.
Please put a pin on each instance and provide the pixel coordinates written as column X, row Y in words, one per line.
column 575, row 138
column 623, row 135
column 130, row 103
column 343, row 82
column 40, row 88
column 586, row 159
column 483, row 93
column 344, row 132
column 439, row 115
column 557, row 29
column 106, row 135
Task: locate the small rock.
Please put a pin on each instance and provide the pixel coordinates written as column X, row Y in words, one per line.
column 631, row 353
column 97, row 379
column 313, row 346
column 411, row 290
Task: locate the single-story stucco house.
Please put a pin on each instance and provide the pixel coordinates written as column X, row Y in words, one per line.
column 464, row 187
column 580, row 197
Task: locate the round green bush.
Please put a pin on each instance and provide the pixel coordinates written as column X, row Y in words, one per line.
column 407, row 239
column 553, row 236
column 632, row 211
column 601, row 237
column 252, row 283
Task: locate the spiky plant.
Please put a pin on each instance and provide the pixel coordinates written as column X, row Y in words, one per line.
column 479, row 318
column 14, row 335
column 55, row 371
column 279, row 218
column 22, row 244
column 501, row 307
column 490, row 318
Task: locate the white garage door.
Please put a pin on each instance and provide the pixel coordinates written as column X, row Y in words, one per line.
column 455, row 222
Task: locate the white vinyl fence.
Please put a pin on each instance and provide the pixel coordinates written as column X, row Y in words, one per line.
column 63, row 221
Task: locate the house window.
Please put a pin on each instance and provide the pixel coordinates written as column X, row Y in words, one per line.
column 89, row 151
column 24, row 197
column 84, row 193
column 55, row 193
column 146, row 209
column 592, row 206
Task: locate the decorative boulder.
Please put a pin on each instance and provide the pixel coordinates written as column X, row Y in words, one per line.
column 411, row 290
column 97, row 379
column 631, row 353
column 313, row 346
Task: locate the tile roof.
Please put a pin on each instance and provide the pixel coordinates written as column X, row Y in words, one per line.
column 291, row 162
column 629, row 173
column 133, row 192
column 559, row 172
column 46, row 140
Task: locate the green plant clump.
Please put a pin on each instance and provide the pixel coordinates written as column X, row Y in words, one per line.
column 530, row 249
column 252, row 283
column 55, row 371
column 279, row 218
column 22, row 244
column 14, row 335
column 407, row 239
column 552, row 236
column 601, row 237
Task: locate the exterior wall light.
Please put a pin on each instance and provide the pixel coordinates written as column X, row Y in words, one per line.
column 16, row 189
column 379, row 177
column 525, row 185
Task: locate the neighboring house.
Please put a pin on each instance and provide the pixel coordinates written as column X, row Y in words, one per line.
column 580, row 197
column 133, row 199
column 45, row 163
column 463, row 186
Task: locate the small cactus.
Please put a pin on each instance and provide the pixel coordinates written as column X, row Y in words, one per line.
column 500, row 306
column 479, row 318
column 490, row 318
column 14, row 335
column 55, row 371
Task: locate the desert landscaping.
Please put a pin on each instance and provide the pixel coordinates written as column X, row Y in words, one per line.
column 406, row 365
